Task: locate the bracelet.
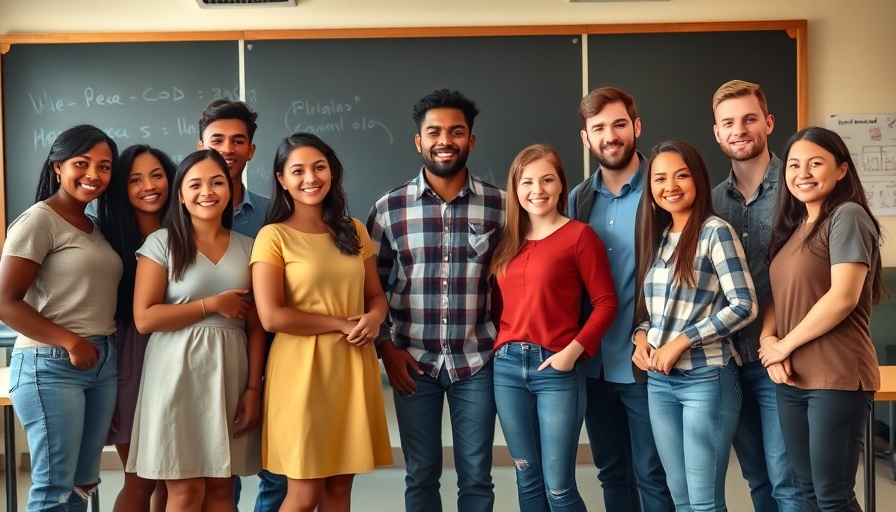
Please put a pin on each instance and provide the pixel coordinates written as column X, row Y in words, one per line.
column 202, row 303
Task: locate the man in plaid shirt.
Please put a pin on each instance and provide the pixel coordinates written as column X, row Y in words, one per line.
column 434, row 237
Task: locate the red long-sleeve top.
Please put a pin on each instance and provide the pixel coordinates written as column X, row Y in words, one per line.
column 540, row 297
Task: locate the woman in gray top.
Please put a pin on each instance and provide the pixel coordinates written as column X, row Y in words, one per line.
column 58, row 282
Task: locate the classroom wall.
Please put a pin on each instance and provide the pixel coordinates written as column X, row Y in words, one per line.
column 851, row 42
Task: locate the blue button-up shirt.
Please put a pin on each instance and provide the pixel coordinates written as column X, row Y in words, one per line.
column 613, row 219
column 248, row 218
column 752, row 220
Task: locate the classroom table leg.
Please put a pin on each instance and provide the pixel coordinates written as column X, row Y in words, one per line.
column 9, row 423
column 870, row 505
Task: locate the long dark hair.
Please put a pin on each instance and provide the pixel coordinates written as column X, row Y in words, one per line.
column 792, row 212
column 654, row 219
column 181, row 241
column 73, row 142
column 335, row 209
column 518, row 224
column 118, row 220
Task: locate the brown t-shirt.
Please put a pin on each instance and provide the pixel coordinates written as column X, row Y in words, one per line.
column 844, row 357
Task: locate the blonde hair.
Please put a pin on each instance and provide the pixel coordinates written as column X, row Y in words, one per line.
column 737, row 89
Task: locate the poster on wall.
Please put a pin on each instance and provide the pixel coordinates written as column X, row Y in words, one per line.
column 871, row 140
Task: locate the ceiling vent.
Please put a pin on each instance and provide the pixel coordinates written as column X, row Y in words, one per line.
column 224, row 4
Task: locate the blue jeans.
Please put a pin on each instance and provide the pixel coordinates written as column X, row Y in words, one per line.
column 271, row 491
column 471, row 404
column 824, row 430
column 541, row 414
column 759, row 445
column 629, row 468
column 66, row 413
column 694, row 414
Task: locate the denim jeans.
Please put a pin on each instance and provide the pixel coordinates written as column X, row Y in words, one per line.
column 271, row 491
column 541, row 414
column 471, row 404
column 694, row 414
column 629, row 468
column 759, row 445
column 824, row 430
column 66, row 413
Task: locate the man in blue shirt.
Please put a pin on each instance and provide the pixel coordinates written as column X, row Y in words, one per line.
column 617, row 416
column 228, row 127
column 746, row 200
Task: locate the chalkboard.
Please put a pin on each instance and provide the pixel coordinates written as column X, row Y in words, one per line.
column 356, row 89
column 150, row 93
column 358, row 96
column 673, row 76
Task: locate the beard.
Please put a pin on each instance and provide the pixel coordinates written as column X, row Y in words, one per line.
column 745, row 155
column 445, row 170
column 618, row 162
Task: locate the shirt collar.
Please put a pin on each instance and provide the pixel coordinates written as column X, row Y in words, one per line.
column 769, row 180
column 472, row 185
column 247, row 200
column 634, row 184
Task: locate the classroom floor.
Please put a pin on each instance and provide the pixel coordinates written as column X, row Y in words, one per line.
column 381, row 491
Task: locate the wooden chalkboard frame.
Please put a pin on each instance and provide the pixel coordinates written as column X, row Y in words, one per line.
column 796, row 29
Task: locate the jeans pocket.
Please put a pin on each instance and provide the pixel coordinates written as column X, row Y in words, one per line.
column 702, row 373
column 502, row 350
column 54, row 357
column 15, row 369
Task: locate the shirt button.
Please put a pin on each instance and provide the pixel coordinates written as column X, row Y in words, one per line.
column 444, row 320
column 445, row 283
column 445, row 258
column 446, row 229
column 611, row 222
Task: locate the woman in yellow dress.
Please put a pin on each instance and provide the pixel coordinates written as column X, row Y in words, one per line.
column 316, row 286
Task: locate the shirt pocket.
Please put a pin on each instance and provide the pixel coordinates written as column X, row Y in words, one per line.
column 480, row 241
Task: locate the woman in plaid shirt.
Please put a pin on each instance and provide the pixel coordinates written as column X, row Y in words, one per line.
column 688, row 312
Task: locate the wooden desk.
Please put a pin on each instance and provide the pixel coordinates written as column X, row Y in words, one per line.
column 9, row 426
column 886, row 393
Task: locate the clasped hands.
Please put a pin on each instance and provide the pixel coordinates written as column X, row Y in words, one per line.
column 775, row 357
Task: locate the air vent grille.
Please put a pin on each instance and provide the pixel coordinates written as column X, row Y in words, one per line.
column 223, row 4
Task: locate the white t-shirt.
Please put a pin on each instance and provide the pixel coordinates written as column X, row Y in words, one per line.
column 77, row 283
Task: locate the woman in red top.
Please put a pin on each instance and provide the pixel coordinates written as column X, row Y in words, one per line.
column 543, row 262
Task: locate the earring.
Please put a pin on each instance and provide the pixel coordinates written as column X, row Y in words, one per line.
column 57, row 179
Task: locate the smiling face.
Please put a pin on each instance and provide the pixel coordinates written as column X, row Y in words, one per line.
column 812, row 174
column 86, row 176
column 673, row 187
column 147, row 184
column 205, row 191
column 230, row 138
column 306, row 176
column 444, row 141
column 741, row 128
column 539, row 188
column 611, row 136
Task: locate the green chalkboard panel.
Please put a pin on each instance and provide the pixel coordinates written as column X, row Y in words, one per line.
column 149, row 93
column 358, row 95
column 673, row 76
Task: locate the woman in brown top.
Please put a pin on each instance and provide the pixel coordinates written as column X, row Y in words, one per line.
column 825, row 275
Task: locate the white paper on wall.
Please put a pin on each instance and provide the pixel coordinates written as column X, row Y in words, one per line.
column 871, row 140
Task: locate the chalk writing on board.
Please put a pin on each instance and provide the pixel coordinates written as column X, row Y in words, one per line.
column 45, row 103
column 331, row 116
